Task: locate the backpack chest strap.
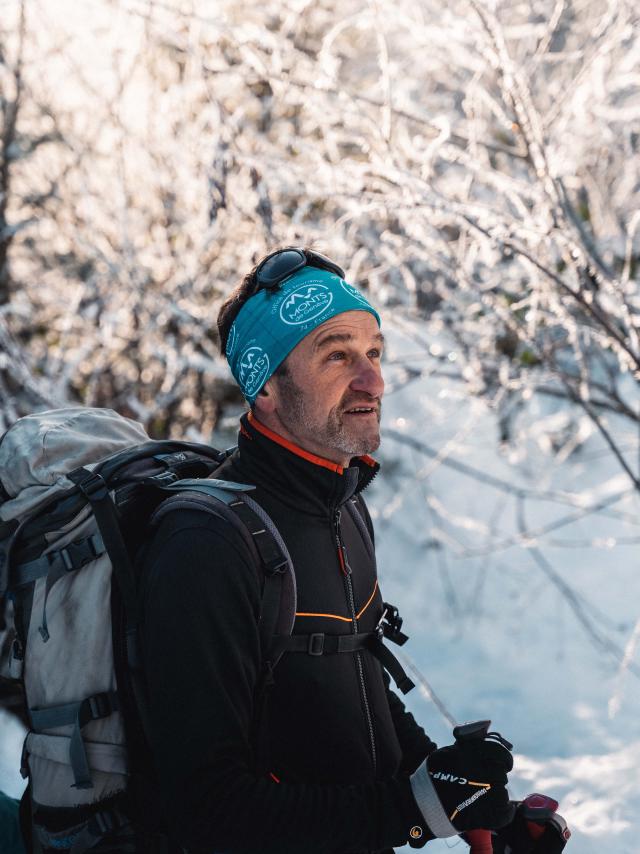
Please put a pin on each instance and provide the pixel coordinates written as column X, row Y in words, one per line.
column 318, row 643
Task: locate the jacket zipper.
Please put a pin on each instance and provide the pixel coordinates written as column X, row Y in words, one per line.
column 346, row 569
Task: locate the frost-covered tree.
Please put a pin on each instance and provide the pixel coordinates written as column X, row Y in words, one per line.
column 475, row 166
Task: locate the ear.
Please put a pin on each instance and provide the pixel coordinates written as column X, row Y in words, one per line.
column 265, row 402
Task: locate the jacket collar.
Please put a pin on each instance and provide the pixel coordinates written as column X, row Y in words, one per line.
column 299, row 478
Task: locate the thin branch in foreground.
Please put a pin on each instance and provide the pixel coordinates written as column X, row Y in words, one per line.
column 425, row 687
column 527, row 538
column 600, row 641
column 498, row 483
column 606, row 435
column 625, row 664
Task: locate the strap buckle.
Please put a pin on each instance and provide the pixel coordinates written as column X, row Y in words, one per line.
column 390, row 624
column 164, row 478
column 100, row 705
column 91, row 484
column 277, row 566
column 316, row 644
column 78, row 554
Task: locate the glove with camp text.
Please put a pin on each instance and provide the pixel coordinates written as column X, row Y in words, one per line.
column 536, row 829
column 463, row 786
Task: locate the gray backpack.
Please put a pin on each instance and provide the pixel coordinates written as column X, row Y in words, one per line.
column 79, row 489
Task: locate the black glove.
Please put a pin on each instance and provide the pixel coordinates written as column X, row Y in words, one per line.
column 535, row 829
column 463, row 786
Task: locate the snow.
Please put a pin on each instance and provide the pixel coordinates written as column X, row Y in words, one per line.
column 493, row 633
column 12, row 734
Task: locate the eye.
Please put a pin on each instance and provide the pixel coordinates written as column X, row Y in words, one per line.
column 337, row 356
column 375, row 353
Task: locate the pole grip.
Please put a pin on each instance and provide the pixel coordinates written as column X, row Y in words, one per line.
column 535, row 830
column 479, row 841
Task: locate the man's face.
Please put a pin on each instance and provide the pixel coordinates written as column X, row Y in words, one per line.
column 329, row 401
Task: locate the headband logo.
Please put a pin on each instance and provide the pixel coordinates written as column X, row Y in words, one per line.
column 353, row 292
column 254, row 368
column 231, row 341
column 305, row 303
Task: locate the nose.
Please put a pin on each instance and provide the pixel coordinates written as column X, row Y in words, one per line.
column 368, row 378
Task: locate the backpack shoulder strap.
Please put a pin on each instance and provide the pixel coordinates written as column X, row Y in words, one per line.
column 360, row 515
column 230, row 501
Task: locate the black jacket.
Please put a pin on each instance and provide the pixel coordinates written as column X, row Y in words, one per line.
column 340, row 744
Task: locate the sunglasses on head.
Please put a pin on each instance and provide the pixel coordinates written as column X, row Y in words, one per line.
column 282, row 263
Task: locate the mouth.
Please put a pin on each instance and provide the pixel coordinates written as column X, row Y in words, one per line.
column 362, row 411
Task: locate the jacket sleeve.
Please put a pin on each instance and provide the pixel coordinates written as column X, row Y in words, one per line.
column 415, row 743
column 201, row 603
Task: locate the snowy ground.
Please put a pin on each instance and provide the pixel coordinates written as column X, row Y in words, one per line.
column 528, row 633
column 11, row 737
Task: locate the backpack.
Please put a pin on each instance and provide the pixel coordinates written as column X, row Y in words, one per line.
column 79, row 490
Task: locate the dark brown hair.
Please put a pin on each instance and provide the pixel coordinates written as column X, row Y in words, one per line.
column 230, row 308
column 239, row 295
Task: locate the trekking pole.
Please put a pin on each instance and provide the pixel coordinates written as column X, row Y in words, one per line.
column 479, row 840
column 539, row 812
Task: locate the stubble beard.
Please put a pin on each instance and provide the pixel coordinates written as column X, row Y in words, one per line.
column 330, row 431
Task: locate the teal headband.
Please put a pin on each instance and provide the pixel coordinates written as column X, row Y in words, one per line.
column 271, row 323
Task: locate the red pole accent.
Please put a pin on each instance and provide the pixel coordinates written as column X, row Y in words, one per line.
column 479, row 841
column 535, row 830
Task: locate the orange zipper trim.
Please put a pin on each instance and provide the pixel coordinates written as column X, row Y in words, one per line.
column 328, row 616
column 335, row 616
column 375, row 587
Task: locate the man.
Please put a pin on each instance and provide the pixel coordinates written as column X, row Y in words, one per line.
column 337, row 764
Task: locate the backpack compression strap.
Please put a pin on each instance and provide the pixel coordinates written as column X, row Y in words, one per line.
column 77, row 714
column 55, row 565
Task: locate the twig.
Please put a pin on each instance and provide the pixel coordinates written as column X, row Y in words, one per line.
column 606, row 435
column 625, row 664
column 605, row 644
column 495, row 482
column 425, row 687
